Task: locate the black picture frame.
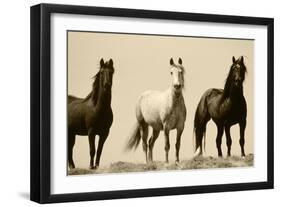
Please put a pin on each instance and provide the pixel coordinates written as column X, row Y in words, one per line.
column 41, row 96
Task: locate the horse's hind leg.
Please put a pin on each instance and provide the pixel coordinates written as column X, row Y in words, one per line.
column 151, row 142
column 242, row 126
column 218, row 139
column 144, row 135
column 199, row 134
column 201, row 120
column 199, row 137
column 228, row 140
column 71, row 142
column 92, row 149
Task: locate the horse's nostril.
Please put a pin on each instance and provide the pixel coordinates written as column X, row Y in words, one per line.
column 237, row 82
column 177, row 86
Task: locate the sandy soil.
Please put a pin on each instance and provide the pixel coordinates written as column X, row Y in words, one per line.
column 195, row 163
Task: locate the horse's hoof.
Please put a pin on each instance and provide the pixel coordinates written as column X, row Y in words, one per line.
column 71, row 167
column 150, row 162
column 197, row 153
column 177, row 163
column 92, row 167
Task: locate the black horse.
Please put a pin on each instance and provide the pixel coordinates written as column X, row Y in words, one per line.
column 93, row 115
column 226, row 107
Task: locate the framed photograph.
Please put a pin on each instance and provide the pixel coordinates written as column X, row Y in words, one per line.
column 132, row 103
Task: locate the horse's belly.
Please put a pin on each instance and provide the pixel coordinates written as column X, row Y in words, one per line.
column 77, row 127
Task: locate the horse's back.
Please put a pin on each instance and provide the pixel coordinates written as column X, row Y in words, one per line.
column 223, row 108
column 71, row 98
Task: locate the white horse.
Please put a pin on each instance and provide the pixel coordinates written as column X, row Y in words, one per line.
column 162, row 111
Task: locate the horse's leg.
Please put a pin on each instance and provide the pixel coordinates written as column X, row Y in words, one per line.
column 167, row 144
column 178, row 142
column 151, row 142
column 242, row 126
column 144, row 134
column 198, row 136
column 102, row 139
column 218, row 139
column 92, row 149
column 228, row 140
column 71, row 142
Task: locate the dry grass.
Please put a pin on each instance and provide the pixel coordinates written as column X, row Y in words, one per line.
column 194, row 163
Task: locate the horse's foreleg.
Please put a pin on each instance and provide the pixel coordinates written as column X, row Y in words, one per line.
column 151, row 142
column 92, row 149
column 71, row 142
column 144, row 134
column 99, row 151
column 167, row 144
column 242, row 126
column 228, row 140
column 178, row 142
column 218, row 140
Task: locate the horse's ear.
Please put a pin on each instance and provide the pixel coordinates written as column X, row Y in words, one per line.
column 111, row 62
column 180, row 61
column 233, row 59
column 171, row 61
column 241, row 59
column 101, row 62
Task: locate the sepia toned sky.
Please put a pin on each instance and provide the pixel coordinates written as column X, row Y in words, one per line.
column 141, row 63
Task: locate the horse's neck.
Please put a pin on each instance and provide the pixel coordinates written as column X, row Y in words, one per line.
column 104, row 98
column 174, row 98
column 234, row 95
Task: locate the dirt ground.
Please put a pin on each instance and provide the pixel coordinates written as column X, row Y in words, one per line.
column 194, row 163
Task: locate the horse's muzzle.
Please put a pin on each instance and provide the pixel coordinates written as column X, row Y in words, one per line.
column 107, row 85
column 177, row 86
column 238, row 83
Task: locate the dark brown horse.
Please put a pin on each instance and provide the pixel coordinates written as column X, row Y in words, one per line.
column 93, row 115
column 225, row 107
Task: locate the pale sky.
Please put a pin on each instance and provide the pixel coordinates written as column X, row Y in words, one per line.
column 141, row 63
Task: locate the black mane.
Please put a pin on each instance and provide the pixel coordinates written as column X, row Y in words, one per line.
column 95, row 89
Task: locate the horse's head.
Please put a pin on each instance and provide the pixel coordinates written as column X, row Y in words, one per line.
column 106, row 74
column 177, row 72
column 237, row 72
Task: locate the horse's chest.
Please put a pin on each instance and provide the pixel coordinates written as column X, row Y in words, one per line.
column 172, row 118
column 235, row 112
column 99, row 121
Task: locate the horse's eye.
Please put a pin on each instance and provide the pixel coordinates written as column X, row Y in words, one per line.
column 171, row 72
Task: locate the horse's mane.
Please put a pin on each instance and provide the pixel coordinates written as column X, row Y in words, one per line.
column 95, row 91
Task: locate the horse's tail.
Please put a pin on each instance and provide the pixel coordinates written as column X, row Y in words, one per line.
column 134, row 137
column 200, row 121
